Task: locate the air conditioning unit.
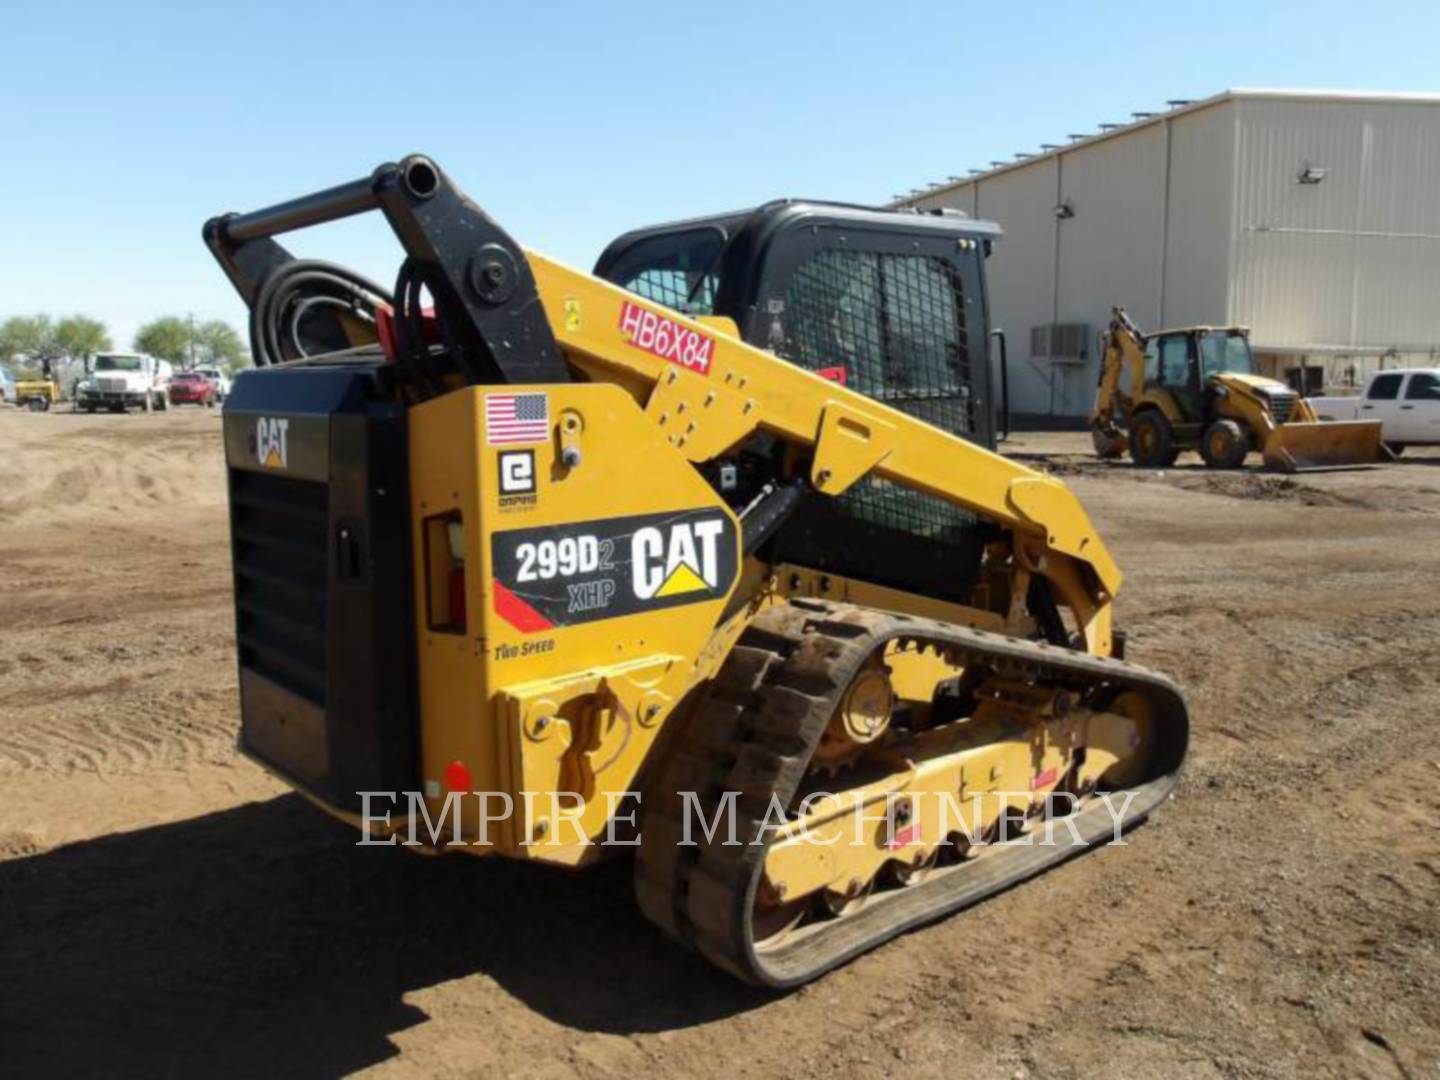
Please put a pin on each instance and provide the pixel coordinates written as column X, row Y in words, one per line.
column 1061, row 343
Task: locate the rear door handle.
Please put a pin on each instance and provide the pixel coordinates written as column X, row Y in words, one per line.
column 1407, row 407
column 349, row 552
column 1367, row 406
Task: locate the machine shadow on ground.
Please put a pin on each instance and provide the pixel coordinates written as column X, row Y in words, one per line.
column 260, row 939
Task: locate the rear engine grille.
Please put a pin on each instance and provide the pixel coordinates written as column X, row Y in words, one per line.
column 1281, row 406
column 280, row 527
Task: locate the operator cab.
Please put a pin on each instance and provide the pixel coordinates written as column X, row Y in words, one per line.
column 888, row 303
column 1186, row 362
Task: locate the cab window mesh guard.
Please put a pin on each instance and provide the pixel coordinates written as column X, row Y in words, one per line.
column 670, row 286
column 896, row 324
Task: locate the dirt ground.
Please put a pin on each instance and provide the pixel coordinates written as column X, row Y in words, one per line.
column 167, row 909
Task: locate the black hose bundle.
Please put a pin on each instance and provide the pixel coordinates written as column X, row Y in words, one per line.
column 307, row 307
column 288, row 319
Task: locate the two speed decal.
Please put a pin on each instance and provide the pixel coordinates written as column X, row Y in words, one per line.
column 566, row 574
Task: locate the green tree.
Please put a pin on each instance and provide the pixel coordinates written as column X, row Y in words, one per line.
column 79, row 336
column 185, row 342
column 218, row 345
column 32, row 336
column 167, row 337
column 49, row 347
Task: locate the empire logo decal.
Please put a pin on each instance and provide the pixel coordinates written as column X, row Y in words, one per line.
column 517, row 480
column 567, row 574
column 517, row 472
column 271, row 439
column 666, row 338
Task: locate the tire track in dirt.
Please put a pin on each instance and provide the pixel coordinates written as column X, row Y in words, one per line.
column 119, row 658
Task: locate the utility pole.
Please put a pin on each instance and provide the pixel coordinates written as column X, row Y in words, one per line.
column 191, row 318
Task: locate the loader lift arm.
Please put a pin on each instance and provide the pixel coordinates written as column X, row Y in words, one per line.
column 471, row 266
column 848, row 434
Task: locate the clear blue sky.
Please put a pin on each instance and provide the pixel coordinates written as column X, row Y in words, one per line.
column 124, row 126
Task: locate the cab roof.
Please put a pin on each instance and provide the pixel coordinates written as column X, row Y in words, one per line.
column 779, row 213
column 1198, row 330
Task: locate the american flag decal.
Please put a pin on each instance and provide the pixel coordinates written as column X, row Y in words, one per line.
column 516, row 418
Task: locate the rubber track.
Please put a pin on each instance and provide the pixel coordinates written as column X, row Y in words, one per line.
column 754, row 732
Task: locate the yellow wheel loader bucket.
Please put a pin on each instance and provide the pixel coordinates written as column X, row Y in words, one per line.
column 1323, row 445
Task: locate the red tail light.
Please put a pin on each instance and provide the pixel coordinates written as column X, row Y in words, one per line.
column 457, row 599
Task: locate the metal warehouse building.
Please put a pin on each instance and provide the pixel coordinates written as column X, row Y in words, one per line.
column 1312, row 217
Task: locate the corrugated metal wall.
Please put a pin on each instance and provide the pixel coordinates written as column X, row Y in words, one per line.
column 1111, row 251
column 1022, row 269
column 1352, row 262
column 1022, row 272
column 1198, row 228
column 1198, row 218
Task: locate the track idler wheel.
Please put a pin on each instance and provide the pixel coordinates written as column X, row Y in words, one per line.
column 861, row 718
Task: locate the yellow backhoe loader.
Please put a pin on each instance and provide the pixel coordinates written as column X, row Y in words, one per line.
column 38, row 394
column 1196, row 389
column 703, row 558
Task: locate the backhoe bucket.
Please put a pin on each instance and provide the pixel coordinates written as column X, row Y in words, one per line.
column 1108, row 444
column 1324, row 445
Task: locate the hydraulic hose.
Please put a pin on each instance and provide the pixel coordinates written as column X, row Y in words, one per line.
column 301, row 288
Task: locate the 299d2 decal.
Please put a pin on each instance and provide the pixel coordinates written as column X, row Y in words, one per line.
column 561, row 575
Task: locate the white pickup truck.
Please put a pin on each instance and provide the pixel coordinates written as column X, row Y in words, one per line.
column 1406, row 401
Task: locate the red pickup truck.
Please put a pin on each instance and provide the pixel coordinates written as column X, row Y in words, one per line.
column 190, row 387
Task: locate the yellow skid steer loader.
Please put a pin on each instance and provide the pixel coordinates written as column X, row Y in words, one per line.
column 704, row 557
